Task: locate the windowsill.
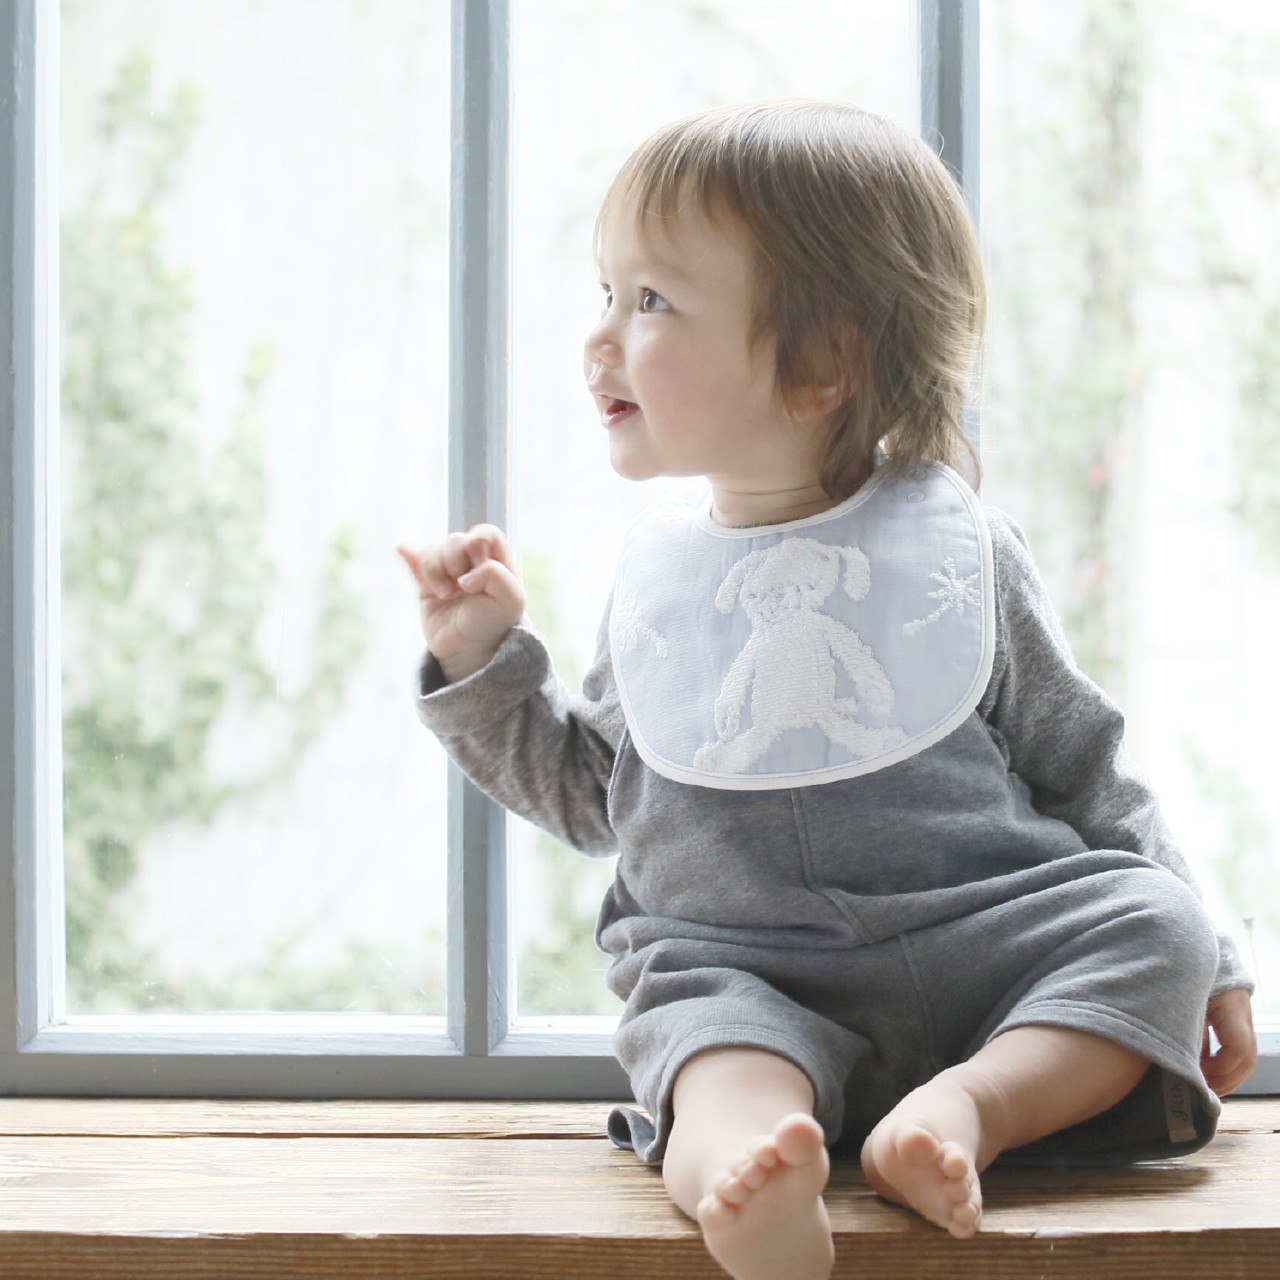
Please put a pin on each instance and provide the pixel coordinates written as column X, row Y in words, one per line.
column 263, row 1189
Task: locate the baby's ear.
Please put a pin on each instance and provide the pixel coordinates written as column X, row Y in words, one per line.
column 828, row 377
column 809, row 402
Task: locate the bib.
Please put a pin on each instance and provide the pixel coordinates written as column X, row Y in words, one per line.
column 803, row 653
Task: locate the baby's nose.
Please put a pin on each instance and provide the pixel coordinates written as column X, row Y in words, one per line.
column 602, row 348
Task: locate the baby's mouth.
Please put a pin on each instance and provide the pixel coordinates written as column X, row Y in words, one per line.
column 615, row 410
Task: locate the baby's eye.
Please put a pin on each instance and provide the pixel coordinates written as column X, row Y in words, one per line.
column 651, row 302
column 608, row 296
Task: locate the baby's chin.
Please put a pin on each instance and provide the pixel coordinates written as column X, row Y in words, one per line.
column 630, row 468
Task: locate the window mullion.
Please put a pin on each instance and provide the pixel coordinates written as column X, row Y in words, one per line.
column 949, row 108
column 949, row 89
column 36, row 982
column 15, row 202
column 479, row 325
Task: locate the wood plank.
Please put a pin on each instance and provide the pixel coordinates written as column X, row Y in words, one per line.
column 1250, row 1115
column 175, row 1117
column 143, row 1189
column 1233, row 1183
column 458, row 1187
column 360, row 1186
column 1223, row 1255
column 178, row 1117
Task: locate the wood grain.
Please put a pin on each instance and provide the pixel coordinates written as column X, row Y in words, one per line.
column 1225, row 1255
column 194, row 1189
column 177, row 1117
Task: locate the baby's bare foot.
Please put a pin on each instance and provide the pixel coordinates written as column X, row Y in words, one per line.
column 765, row 1218
column 909, row 1159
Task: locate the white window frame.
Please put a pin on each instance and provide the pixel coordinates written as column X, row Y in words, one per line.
column 479, row 1049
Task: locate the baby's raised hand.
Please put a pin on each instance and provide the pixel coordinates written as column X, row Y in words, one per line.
column 470, row 596
column 1230, row 1014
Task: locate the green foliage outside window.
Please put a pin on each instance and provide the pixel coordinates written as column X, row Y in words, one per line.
column 165, row 586
column 165, row 583
column 1074, row 451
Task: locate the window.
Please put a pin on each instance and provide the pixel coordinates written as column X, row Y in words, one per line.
column 253, row 282
column 1131, row 418
column 261, row 254
column 688, row 56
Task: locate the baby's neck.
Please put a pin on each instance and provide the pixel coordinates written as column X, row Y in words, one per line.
column 737, row 508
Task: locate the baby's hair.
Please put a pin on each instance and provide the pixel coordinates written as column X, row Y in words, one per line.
column 867, row 274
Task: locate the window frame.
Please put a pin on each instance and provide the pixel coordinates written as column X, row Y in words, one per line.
column 479, row 1049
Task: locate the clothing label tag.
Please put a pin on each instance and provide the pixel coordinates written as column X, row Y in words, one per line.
column 808, row 652
column 1178, row 1109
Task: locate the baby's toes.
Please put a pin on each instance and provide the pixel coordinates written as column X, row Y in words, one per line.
column 953, row 1162
column 715, row 1213
column 957, row 1190
column 918, row 1148
column 965, row 1219
column 730, row 1189
column 751, row 1174
column 764, row 1153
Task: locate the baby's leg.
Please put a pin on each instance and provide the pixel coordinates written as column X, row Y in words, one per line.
column 1029, row 1082
column 747, row 1160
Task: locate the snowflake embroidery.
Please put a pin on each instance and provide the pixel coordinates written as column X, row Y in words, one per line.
column 632, row 628
column 955, row 593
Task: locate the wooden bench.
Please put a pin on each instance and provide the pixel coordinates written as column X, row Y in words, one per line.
column 513, row 1191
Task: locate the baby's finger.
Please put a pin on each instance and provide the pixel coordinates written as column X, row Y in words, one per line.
column 413, row 559
column 434, row 581
column 1225, row 1071
column 493, row 579
column 490, row 543
column 462, row 552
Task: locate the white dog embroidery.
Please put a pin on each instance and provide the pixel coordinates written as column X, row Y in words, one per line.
column 789, row 663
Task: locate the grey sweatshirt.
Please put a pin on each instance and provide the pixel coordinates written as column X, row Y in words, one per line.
column 1037, row 771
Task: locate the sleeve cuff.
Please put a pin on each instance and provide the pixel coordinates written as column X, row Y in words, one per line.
column 1232, row 973
column 514, row 674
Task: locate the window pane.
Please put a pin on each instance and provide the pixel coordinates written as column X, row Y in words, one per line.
column 592, row 81
column 253, row 386
column 1132, row 419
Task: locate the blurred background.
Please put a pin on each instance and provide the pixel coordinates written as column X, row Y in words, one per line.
column 254, row 335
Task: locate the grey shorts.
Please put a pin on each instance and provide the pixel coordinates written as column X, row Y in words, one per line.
column 1107, row 943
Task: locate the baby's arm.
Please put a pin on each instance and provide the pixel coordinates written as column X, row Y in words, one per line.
column 1065, row 739
column 470, row 597
column 512, row 727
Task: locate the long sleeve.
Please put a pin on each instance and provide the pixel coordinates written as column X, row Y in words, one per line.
column 527, row 742
column 1064, row 737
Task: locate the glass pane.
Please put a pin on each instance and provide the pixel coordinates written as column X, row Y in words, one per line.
column 253, row 387
column 1132, row 416
column 591, row 82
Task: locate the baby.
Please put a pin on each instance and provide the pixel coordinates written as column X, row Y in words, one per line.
column 886, row 875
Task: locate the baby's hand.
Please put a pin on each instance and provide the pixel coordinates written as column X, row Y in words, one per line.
column 471, row 597
column 1231, row 1017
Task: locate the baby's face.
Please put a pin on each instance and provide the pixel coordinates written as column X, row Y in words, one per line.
column 681, row 387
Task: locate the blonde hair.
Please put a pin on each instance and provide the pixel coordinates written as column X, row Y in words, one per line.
column 867, row 274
